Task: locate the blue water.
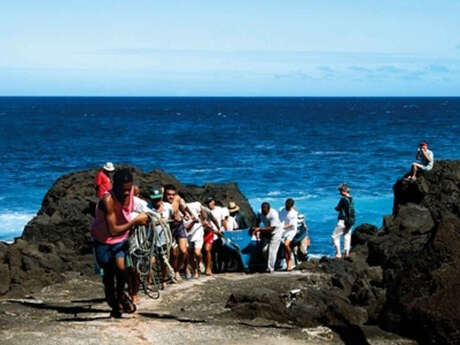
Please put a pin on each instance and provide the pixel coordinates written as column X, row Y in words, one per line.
column 273, row 147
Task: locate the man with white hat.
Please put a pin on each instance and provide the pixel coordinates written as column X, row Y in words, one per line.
column 102, row 182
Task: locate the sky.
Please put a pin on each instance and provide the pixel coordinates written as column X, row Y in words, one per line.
column 230, row 48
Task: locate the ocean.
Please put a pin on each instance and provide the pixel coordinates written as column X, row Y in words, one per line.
column 274, row 148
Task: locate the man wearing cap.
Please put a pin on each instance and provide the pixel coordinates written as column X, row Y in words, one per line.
column 343, row 207
column 102, row 182
column 158, row 209
column 425, row 160
column 271, row 234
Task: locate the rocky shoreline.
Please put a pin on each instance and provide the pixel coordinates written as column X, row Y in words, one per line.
column 402, row 278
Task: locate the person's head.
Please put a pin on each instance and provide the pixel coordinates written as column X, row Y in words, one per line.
column 211, row 202
column 122, row 184
column 170, row 193
column 108, row 168
column 344, row 189
column 423, row 145
column 156, row 196
column 233, row 207
column 265, row 208
column 289, row 204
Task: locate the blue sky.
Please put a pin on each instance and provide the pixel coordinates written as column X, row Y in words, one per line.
column 237, row 48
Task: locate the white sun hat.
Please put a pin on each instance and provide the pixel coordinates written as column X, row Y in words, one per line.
column 109, row 166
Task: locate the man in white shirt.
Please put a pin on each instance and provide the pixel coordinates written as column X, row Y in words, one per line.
column 271, row 234
column 288, row 217
column 425, row 160
column 195, row 234
column 176, row 207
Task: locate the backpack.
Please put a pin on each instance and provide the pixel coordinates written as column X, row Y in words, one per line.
column 350, row 218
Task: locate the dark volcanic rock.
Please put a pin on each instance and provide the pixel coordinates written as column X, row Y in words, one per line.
column 419, row 252
column 58, row 238
column 403, row 276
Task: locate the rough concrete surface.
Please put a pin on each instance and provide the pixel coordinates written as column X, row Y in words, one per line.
column 191, row 312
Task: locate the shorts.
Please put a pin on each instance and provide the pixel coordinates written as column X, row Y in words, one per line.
column 288, row 235
column 424, row 167
column 106, row 253
column 196, row 239
column 209, row 237
column 179, row 231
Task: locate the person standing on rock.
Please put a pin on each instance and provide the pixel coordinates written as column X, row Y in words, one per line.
column 288, row 217
column 345, row 220
column 425, row 160
column 102, row 181
column 270, row 233
column 110, row 231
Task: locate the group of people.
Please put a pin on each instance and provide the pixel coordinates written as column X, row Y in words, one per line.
column 195, row 226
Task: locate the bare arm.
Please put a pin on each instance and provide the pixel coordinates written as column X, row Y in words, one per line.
column 426, row 155
column 266, row 228
column 111, row 218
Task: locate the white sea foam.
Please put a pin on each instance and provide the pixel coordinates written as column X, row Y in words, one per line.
column 274, row 193
column 316, row 256
column 12, row 224
column 327, row 153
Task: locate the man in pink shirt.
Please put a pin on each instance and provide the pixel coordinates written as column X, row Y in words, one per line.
column 110, row 231
column 102, row 181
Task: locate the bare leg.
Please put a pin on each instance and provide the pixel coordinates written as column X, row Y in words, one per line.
column 208, row 258
column 415, row 166
column 287, row 254
column 196, row 262
column 181, row 256
column 121, row 274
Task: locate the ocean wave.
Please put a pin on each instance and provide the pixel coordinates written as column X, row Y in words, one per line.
column 305, row 197
column 12, row 224
column 265, row 147
column 316, row 256
column 274, row 193
column 254, row 201
column 327, row 153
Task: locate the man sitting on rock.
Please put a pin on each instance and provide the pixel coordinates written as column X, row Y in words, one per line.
column 110, row 231
column 425, row 160
column 270, row 234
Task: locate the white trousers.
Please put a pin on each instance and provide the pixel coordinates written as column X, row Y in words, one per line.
column 272, row 245
column 340, row 230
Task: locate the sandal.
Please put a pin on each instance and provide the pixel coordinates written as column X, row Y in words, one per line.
column 115, row 313
column 127, row 304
